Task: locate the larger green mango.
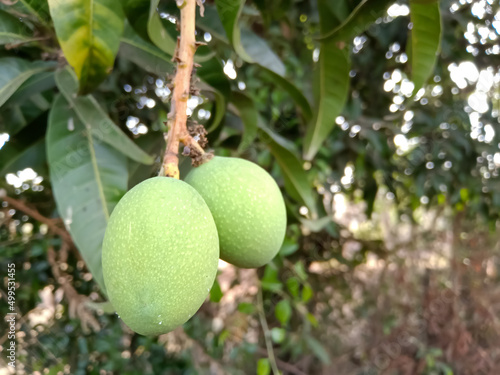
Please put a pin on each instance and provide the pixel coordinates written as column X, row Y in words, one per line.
column 247, row 207
column 160, row 255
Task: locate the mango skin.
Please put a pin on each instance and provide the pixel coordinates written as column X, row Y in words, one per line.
column 160, row 255
column 247, row 207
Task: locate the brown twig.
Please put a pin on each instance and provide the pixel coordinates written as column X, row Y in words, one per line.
column 76, row 302
column 177, row 118
column 51, row 223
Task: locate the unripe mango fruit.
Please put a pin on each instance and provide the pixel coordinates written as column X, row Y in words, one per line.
column 247, row 207
column 160, row 255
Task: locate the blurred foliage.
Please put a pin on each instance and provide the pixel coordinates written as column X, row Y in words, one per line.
column 392, row 190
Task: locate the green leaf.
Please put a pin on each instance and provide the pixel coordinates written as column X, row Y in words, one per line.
column 159, row 32
column 144, row 54
column 249, row 115
column 137, row 13
column 218, row 112
column 307, row 293
column 38, row 9
column 93, row 116
column 246, row 308
column 216, row 292
column 365, row 13
column 293, row 286
column 15, row 158
column 333, row 80
column 212, row 73
column 283, row 311
column 34, row 85
column 88, row 178
column 15, row 71
column 292, row 90
column 270, row 279
column 425, row 40
column 278, row 335
column 12, row 30
column 229, row 12
column 263, row 367
column 291, row 167
column 253, row 49
column 318, row 350
column 89, row 33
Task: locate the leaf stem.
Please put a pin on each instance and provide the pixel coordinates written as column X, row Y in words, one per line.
column 267, row 333
column 177, row 118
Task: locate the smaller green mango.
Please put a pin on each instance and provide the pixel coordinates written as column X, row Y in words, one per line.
column 247, row 207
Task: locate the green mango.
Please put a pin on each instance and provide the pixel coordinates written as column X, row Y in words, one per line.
column 247, row 207
column 160, row 255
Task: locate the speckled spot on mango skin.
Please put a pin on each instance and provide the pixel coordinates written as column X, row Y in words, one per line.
column 247, row 207
column 160, row 255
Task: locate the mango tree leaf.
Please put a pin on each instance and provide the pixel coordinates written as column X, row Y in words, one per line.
column 249, row 115
column 253, row 49
column 216, row 292
column 365, row 13
column 211, row 23
column 38, row 9
column 137, row 13
column 93, row 116
column 159, row 32
column 297, row 95
column 14, row 159
column 36, row 84
column 15, row 71
column 219, row 110
column 89, row 33
column 291, row 167
column 425, row 40
column 333, row 86
column 283, row 311
column 144, row 54
column 318, row 350
column 12, row 30
column 88, row 178
column 263, row 367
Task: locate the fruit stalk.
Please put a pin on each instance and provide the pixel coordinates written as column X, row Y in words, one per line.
column 177, row 118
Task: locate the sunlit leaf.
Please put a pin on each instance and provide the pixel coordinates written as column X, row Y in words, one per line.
column 89, row 33
column 318, row 350
column 91, row 113
column 263, row 367
column 425, row 40
column 88, row 178
column 333, row 86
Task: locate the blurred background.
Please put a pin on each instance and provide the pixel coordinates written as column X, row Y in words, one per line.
column 390, row 262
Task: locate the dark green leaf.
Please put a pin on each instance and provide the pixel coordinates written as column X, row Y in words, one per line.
column 425, row 40
column 216, row 292
column 333, row 87
column 292, row 169
column 88, row 178
column 146, row 55
column 246, row 308
column 249, row 115
column 365, row 13
column 12, row 30
column 15, row 71
column 159, row 32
